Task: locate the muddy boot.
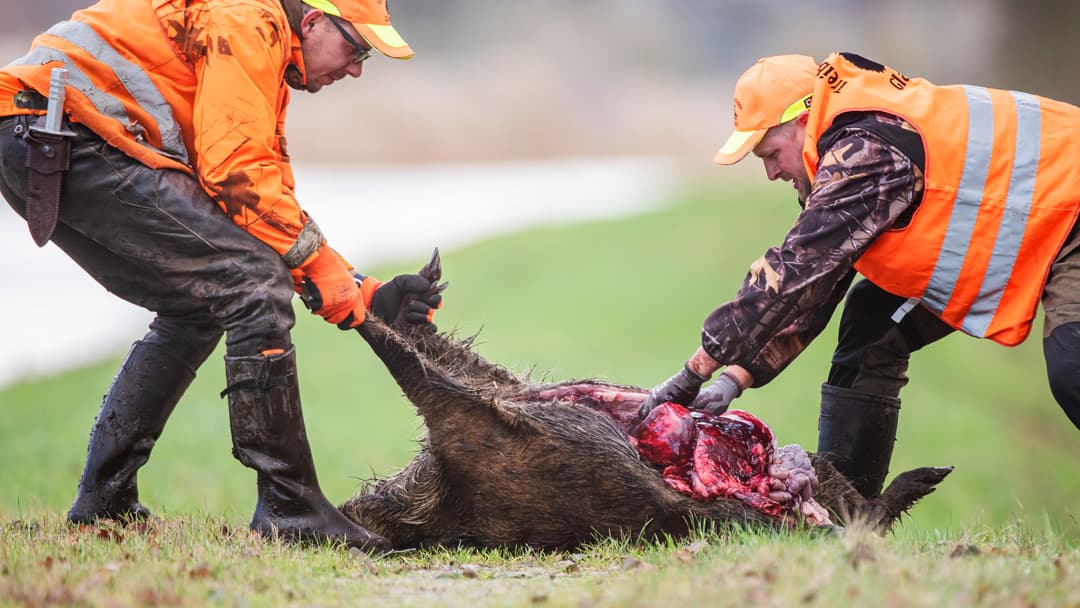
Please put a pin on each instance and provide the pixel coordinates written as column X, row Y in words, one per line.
column 856, row 433
column 268, row 436
column 133, row 414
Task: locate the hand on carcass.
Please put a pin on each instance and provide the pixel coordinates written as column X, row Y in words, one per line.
column 410, row 298
column 716, row 397
column 330, row 288
column 419, row 310
column 682, row 388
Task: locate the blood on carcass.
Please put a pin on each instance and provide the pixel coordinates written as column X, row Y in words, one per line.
column 711, row 456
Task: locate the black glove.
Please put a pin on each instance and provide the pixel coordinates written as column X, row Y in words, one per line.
column 423, row 294
column 716, row 397
column 681, row 388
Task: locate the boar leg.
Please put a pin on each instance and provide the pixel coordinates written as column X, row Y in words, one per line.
column 882, row 513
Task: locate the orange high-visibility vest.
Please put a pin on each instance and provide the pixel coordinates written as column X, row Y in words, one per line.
column 1001, row 193
column 192, row 85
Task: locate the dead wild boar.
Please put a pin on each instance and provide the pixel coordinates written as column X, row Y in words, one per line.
column 509, row 463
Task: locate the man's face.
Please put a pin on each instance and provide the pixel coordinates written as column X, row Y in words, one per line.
column 328, row 55
column 781, row 153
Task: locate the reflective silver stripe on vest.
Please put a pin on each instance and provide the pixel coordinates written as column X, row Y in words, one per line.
column 980, row 142
column 105, row 104
column 134, row 79
column 965, row 212
column 1014, row 220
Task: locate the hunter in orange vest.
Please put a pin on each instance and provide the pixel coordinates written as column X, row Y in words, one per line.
column 153, row 131
column 957, row 203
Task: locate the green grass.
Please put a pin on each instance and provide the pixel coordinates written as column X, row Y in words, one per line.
column 621, row 300
column 194, row 561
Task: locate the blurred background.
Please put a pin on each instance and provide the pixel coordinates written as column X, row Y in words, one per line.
column 560, row 154
column 498, row 80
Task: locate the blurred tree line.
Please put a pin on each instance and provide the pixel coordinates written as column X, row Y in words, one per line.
column 1018, row 44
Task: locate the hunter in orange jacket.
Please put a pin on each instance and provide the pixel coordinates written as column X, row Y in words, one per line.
column 202, row 87
column 169, row 182
column 958, row 203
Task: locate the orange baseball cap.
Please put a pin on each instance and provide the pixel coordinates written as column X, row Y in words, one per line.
column 773, row 91
column 371, row 18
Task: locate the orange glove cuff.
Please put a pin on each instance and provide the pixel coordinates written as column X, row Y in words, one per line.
column 431, row 313
column 367, row 290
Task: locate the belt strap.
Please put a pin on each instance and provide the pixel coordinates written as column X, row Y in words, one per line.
column 28, row 99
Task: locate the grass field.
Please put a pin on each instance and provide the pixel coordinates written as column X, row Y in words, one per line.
column 621, row 300
column 195, row 561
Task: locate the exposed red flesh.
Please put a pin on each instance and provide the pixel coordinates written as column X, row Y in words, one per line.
column 669, row 438
column 707, row 456
column 729, row 457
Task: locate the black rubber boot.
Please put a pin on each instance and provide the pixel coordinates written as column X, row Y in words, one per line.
column 133, row 414
column 268, row 436
column 856, row 433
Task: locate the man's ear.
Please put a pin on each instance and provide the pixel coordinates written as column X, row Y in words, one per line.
column 803, row 119
column 311, row 19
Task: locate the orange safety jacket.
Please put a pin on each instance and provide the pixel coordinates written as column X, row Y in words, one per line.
column 192, row 85
column 1001, row 193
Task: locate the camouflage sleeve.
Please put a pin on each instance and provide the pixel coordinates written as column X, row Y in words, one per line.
column 787, row 343
column 863, row 186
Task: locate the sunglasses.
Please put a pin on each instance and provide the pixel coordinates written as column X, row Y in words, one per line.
column 361, row 53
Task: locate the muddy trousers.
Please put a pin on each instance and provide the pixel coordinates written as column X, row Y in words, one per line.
column 860, row 402
column 155, row 239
